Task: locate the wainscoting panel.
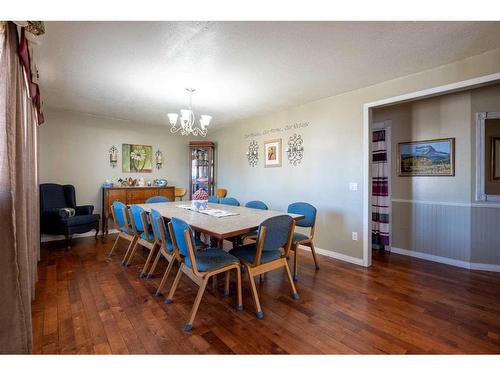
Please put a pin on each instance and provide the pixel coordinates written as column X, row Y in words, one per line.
column 442, row 230
column 485, row 235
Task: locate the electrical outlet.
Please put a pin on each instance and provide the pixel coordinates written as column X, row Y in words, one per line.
column 353, row 186
column 354, row 236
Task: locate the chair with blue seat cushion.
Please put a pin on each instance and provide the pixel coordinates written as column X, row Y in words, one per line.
column 229, row 201
column 145, row 236
column 259, row 205
column 157, row 199
column 309, row 221
column 274, row 240
column 162, row 236
column 213, row 199
column 119, row 212
column 199, row 266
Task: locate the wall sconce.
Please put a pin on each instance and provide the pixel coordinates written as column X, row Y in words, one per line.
column 295, row 150
column 158, row 159
column 113, row 156
column 253, row 153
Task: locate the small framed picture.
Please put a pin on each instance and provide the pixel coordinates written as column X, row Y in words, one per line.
column 495, row 158
column 272, row 153
column 434, row 157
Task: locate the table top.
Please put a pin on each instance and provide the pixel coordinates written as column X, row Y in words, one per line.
column 247, row 220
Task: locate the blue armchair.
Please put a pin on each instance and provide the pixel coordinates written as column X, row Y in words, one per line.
column 57, row 203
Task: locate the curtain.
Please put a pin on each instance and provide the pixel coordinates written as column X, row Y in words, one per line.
column 380, row 192
column 19, row 212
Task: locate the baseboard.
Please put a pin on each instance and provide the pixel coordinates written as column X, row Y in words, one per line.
column 50, row 238
column 448, row 261
column 335, row 255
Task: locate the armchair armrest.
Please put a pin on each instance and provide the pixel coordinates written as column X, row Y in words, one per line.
column 84, row 210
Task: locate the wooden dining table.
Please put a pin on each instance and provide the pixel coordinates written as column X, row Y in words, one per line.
column 247, row 219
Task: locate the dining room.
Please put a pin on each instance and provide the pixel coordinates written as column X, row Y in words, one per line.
column 183, row 194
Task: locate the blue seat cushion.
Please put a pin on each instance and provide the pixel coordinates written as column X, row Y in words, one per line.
column 247, row 253
column 81, row 220
column 211, row 259
column 299, row 237
column 127, row 230
column 150, row 234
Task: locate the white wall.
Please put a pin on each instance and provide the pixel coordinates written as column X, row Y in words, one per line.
column 74, row 150
column 333, row 152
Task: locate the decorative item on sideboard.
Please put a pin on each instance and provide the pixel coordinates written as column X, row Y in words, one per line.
column 113, row 156
column 160, row 182
column 253, row 153
column 158, row 159
column 295, row 150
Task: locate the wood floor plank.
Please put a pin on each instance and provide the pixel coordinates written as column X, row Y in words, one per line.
column 88, row 303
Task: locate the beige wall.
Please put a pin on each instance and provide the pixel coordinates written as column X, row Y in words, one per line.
column 74, row 150
column 333, row 152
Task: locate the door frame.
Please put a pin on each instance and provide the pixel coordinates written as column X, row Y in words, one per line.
column 367, row 122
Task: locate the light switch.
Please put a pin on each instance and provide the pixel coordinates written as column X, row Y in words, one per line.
column 353, row 186
column 354, row 236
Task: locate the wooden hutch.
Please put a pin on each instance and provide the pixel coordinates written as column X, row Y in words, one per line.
column 201, row 167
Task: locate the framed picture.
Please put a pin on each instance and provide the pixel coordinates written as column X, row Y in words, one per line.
column 427, row 158
column 137, row 158
column 495, row 158
column 272, row 153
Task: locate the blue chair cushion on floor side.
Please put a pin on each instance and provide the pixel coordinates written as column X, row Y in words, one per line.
column 248, row 252
column 157, row 199
column 211, row 259
column 213, row 199
column 127, row 230
column 150, row 234
column 299, row 237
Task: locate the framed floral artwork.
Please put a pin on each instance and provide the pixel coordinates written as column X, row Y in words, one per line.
column 272, row 153
column 137, row 158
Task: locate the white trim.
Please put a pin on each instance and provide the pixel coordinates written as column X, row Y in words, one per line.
column 367, row 107
column 50, row 238
column 481, row 195
column 448, row 261
column 455, row 204
column 336, row 255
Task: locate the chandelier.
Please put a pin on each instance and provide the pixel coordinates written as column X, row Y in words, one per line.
column 187, row 120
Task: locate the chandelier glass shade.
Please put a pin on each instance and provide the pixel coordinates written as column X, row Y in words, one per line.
column 187, row 123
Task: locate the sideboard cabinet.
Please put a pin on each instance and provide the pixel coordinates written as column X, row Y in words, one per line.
column 130, row 195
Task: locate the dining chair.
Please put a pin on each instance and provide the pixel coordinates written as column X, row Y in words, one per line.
column 257, row 204
column 221, row 193
column 309, row 221
column 162, row 237
column 179, row 192
column 144, row 234
column 268, row 253
column 119, row 212
column 213, row 199
column 199, row 266
column 157, row 199
column 229, row 201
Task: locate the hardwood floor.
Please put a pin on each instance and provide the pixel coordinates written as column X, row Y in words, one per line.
column 87, row 303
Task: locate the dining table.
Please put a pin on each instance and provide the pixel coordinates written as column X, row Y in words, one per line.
column 243, row 220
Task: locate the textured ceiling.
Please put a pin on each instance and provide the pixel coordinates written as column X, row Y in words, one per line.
column 138, row 70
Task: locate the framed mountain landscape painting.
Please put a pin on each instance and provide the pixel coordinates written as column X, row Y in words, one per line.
column 427, row 158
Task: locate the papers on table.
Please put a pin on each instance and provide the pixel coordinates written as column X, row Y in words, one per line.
column 209, row 211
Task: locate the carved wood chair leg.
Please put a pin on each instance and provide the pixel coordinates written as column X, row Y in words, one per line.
column 239, row 306
column 170, row 297
column 114, row 246
column 226, row 282
column 150, row 256
column 295, row 262
column 258, row 310
column 164, row 278
column 313, row 251
column 130, row 247
column 295, row 295
column 132, row 253
column 189, row 325
column 153, row 267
